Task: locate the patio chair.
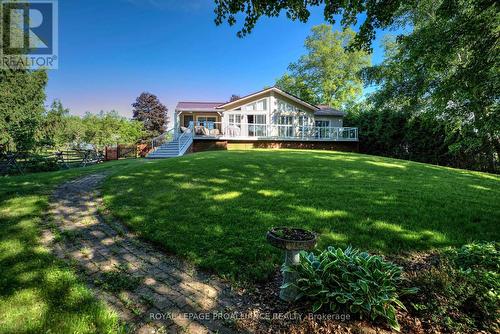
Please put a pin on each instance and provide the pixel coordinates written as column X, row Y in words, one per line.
column 214, row 132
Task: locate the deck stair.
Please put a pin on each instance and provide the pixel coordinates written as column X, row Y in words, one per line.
column 171, row 144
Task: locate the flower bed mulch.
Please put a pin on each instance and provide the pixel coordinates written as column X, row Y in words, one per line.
column 263, row 311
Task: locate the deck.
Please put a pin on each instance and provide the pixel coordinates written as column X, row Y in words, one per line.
column 267, row 132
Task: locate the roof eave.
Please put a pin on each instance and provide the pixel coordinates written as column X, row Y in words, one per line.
column 275, row 89
column 196, row 110
column 339, row 113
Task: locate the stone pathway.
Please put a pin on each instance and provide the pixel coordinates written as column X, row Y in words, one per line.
column 151, row 291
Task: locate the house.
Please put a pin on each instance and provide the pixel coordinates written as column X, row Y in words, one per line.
column 268, row 118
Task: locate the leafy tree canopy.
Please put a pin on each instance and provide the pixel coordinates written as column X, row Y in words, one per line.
column 448, row 67
column 327, row 74
column 109, row 128
column 149, row 110
column 53, row 125
column 22, row 96
column 61, row 130
column 379, row 14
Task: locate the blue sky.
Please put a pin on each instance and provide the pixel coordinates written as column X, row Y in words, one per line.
column 110, row 51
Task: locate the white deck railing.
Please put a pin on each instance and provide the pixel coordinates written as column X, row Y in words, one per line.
column 163, row 138
column 273, row 131
column 185, row 140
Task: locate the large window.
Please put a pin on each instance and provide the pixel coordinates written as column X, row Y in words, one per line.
column 259, row 105
column 285, row 126
column 206, row 121
column 256, row 125
column 322, row 128
column 304, row 129
column 286, row 107
column 235, row 119
column 322, row 124
column 304, row 121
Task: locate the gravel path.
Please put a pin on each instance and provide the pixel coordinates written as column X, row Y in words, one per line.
column 151, row 291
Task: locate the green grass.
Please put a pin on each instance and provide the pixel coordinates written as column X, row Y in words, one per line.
column 38, row 293
column 214, row 208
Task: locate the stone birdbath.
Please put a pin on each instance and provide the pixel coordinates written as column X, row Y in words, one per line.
column 292, row 241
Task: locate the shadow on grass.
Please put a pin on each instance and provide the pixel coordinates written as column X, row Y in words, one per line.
column 214, row 208
column 39, row 293
column 131, row 275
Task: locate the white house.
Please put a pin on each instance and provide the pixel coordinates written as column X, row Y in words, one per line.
column 269, row 115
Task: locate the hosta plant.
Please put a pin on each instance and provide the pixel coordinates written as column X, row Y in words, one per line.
column 357, row 281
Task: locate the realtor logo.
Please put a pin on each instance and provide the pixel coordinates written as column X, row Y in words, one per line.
column 28, row 34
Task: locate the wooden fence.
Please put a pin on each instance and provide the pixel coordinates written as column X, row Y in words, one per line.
column 126, row 151
column 21, row 162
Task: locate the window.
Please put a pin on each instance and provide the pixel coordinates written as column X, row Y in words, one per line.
column 303, row 120
column 322, row 128
column 206, row 121
column 256, row 125
column 257, row 119
column 259, row 105
column 285, row 126
column 203, row 119
column 262, row 105
column 304, row 129
column 235, row 119
column 286, row 107
column 187, row 120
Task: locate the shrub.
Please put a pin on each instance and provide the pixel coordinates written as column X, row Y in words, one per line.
column 477, row 256
column 363, row 283
column 463, row 292
column 39, row 163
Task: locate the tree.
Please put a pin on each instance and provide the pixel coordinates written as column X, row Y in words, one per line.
column 99, row 130
column 399, row 134
column 109, row 128
column 22, row 96
column 327, row 74
column 53, row 126
column 448, row 67
column 130, row 131
column 74, row 131
column 149, row 110
column 378, row 14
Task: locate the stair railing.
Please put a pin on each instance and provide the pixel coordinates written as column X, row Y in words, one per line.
column 185, row 139
column 165, row 137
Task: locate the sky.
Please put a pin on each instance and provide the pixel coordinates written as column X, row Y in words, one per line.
column 112, row 50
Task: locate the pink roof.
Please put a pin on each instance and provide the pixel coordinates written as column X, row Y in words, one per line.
column 198, row 106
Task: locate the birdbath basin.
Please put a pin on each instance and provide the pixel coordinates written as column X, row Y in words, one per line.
column 292, row 241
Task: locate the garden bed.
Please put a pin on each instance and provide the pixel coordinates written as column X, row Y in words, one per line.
column 264, row 312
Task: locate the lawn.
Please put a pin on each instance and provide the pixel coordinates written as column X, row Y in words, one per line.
column 38, row 293
column 214, row 208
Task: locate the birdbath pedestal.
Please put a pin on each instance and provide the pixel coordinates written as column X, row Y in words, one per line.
column 292, row 241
